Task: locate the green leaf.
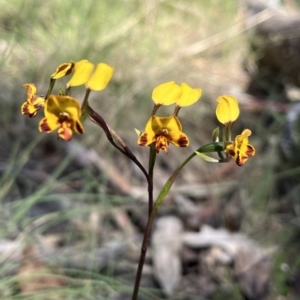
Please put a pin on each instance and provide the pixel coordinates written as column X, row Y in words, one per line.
column 212, row 147
column 206, row 157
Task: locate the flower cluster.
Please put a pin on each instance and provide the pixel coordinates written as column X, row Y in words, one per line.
column 62, row 112
column 164, row 130
column 66, row 115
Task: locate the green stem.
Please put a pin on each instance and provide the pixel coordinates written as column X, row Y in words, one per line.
column 229, row 132
column 224, row 136
column 164, row 191
column 85, row 106
column 51, row 86
column 155, row 108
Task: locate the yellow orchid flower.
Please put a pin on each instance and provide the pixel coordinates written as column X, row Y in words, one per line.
column 189, row 95
column 167, row 93
column 227, row 109
column 100, row 78
column 162, row 131
column 98, row 81
column 82, row 73
column 33, row 103
column 239, row 149
column 63, row 70
column 62, row 113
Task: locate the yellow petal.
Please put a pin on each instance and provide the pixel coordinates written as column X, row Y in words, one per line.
column 164, row 123
column 178, row 138
column 101, row 77
column 37, row 101
column 189, row 95
column 146, row 138
column 167, row 93
column 227, row 109
column 246, row 132
column 48, row 124
column 31, row 91
column 63, row 70
column 27, row 109
column 60, row 106
column 82, row 73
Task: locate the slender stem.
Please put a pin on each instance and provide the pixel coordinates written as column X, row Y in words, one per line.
column 85, row 105
column 51, row 85
column 152, row 158
column 229, row 132
column 224, row 136
column 155, row 108
column 67, row 91
column 176, row 111
column 164, row 191
column 110, row 134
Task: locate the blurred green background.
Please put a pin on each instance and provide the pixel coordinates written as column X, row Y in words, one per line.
column 148, row 42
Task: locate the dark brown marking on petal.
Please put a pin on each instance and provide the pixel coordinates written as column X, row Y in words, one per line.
column 250, row 151
column 25, row 109
column 32, row 115
column 183, row 141
column 231, row 153
column 62, row 67
column 70, row 70
column 240, row 160
column 64, row 117
column 44, row 126
column 68, row 66
column 143, row 139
